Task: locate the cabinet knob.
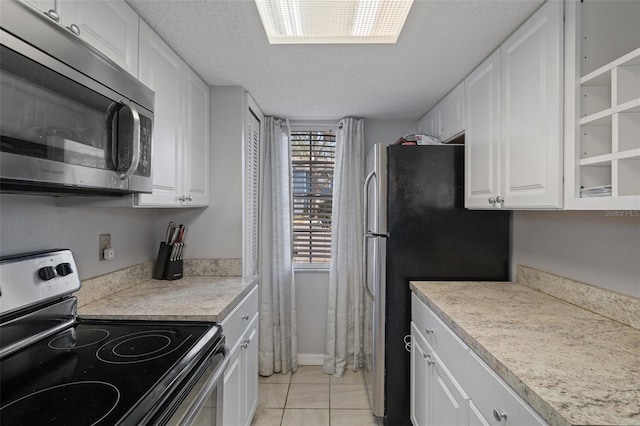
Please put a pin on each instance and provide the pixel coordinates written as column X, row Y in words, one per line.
column 190, row 198
column 429, row 360
column 428, row 330
column 74, row 29
column 499, row 415
column 492, row 200
column 245, row 317
column 499, row 200
column 245, row 343
column 53, row 15
column 182, row 198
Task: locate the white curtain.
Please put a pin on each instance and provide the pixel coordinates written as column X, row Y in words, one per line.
column 345, row 316
column 278, row 347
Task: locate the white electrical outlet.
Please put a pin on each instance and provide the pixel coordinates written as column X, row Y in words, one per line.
column 105, row 244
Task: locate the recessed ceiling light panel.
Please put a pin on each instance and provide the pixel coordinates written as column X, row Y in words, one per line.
column 333, row 21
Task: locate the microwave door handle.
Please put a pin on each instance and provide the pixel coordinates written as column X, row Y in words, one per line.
column 135, row 136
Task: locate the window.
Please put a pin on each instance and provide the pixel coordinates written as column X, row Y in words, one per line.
column 312, row 164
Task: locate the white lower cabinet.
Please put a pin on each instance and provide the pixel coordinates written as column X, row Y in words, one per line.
column 451, row 385
column 240, row 391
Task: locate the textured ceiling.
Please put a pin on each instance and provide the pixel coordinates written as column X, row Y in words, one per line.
column 442, row 41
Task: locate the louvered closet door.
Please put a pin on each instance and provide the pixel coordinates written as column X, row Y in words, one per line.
column 252, row 180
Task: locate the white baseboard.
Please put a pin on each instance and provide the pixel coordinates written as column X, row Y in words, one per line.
column 310, row 359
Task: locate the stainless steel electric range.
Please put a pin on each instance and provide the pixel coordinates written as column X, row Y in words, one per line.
column 56, row 368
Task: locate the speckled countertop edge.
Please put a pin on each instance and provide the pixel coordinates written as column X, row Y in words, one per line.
column 558, row 412
column 200, row 298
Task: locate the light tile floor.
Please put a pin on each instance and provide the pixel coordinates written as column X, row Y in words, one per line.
column 311, row 398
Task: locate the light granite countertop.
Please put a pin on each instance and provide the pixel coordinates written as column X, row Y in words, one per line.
column 196, row 298
column 573, row 366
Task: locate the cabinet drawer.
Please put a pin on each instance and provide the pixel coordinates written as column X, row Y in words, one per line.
column 440, row 337
column 235, row 324
column 489, row 392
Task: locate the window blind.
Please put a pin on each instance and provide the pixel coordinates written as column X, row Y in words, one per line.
column 312, row 164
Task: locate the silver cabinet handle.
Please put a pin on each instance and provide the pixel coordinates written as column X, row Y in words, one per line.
column 182, row 198
column 428, row 330
column 499, row 415
column 74, row 29
column 492, row 200
column 190, row 198
column 245, row 317
column 245, row 343
column 499, row 200
column 53, row 15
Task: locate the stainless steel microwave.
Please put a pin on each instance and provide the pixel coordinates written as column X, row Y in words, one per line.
column 71, row 120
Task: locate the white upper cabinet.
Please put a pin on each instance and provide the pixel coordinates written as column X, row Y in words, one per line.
column 160, row 70
column 196, row 137
column 180, row 129
column 482, row 134
column 446, row 119
column 450, row 114
column 531, row 105
column 428, row 124
column 514, row 119
column 109, row 26
column 602, row 107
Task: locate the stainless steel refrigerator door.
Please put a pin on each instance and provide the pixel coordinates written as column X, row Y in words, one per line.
column 375, row 244
column 374, row 336
column 376, row 191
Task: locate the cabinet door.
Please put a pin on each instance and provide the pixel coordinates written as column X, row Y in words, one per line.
column 531, row 102
column 42, row 5
column 232, row 412
column 475, row 417
column 419, row 378
column 196, row 140
column 109, row 26
column 482, row 134
column 448, row 404
column 160, row 70
column 428, row 124
column 251, row 371
column 451, row 114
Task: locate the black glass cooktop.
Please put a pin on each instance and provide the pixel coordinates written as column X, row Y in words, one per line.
column 100, row 372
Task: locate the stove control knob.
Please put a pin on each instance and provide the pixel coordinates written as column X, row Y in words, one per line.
column 46, row 273
column 64, row 269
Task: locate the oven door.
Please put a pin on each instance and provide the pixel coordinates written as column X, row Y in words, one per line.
column 203, row 404
column 61, row 130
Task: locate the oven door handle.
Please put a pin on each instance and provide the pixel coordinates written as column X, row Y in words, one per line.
column 197, row 404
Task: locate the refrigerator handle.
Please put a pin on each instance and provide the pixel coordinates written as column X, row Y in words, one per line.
column 365, row 253
column 367, row 181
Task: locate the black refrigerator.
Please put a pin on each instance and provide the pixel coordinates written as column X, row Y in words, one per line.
column 416, row 228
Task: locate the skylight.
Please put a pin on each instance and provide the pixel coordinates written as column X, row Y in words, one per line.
column 333, row 21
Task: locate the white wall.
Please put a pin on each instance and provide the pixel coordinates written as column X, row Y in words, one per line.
column 386, row 131
column 216, row 231
column 596, row 247
column 312, row 291
column 31, row 223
